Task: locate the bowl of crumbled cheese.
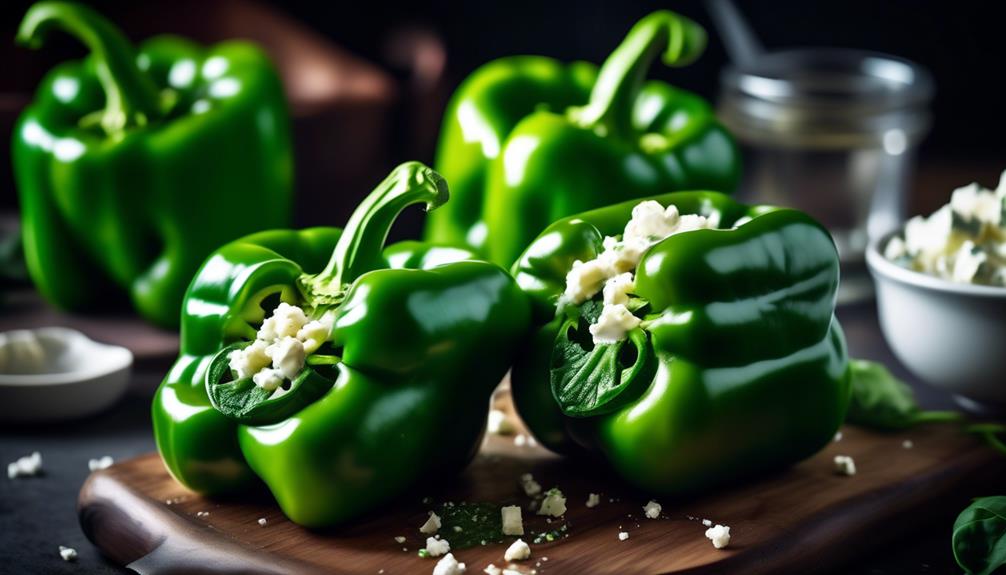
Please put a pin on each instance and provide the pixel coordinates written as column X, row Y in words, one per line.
column 941, row 295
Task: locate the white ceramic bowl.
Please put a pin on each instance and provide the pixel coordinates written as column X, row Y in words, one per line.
column 949, row 335
column 73, row 377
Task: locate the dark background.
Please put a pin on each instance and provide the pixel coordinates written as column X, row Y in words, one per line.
column 961, row 42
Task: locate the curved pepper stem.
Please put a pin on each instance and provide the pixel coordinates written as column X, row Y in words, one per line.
column 613, row 97
column 131, row 97
column 359, row 248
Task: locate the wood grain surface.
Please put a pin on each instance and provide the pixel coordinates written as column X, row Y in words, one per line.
column 803, row 519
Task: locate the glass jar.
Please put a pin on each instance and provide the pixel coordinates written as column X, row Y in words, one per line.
column 831, row 132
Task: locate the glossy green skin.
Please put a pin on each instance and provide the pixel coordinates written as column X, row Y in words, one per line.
column 139, row 210
column 752, row 374
column 517, row 161
column 422, row 350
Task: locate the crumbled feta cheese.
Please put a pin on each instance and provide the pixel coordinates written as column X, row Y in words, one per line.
column 838, row 436
column 554, row 504
column 26, row 466
column 530, row 486
column 652, row 509
column 614, row 322
column 286, row 320
column 719, row 535
column 512, row 571
column 517, row 551
column 314, row 334
column 432, row 524
column 974, row 203
column 967, row 260
column 584, row 280
column 436, row 547
column 593, row 500
column 513, row 524
column 651, row 221
column 963, row 241
column 248, row 361
column 895, row 248
column 707, row 523
column 449, row 566
column 907, row 444
column 400, row 539
column 492, row 570
column 262, row 521
column 68, row 554
column 520, row 440
column 617, row 289
column 268, row 379
column 499, row 423
column 623, row 535
column 844, row 465
column 288, row 356
column 103, row 462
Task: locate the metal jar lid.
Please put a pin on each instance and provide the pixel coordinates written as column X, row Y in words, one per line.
column 829, row 98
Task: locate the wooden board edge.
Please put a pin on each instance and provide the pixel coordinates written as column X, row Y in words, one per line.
column 167, row 543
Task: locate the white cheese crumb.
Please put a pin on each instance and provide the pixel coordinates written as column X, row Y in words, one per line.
column 838, row 436
column 707, row 523
column 315, row 333
column 907, row 444
column 652, row 509
column 967, row 261
column 584, row 280
column 436, row 547
column 492, row 570
column 513, row 523
column 250, row 360
column 614, row 322
column 68, row 554
column 400, row 539
column 512, row 572
column 593, row 500
column 530, row 486
column 618, row 288
column 895, row 248
column 286, row 321
column 844, row 465
column 517, row 551
column 103, row 462
column 520, row 440
column 623, row 535
column 719, row 535
column 25, row 466
column 499, row 423
column 554, row 503
column 288, row 356
column 458, row 529
column 449, row 566
column 262, row 521
column 268, row 379
column 432, row 524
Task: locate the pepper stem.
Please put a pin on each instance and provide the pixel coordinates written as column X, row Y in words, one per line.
column 613, row 97
column 131, row 97
column 362, row 241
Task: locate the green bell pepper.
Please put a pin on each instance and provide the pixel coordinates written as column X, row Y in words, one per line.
column 422, row 334
column 528, row 140
column 134, row 164
column 738, row 366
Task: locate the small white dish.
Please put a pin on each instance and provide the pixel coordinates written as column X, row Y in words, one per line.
column 949, row 335
column 57, row 373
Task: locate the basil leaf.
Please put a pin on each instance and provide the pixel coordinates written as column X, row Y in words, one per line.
column 979, row 536
column 590, row 380
column 882, row 401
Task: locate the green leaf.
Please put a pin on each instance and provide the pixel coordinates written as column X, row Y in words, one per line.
column 979, row 536
column 882, row 401
column 590, row 380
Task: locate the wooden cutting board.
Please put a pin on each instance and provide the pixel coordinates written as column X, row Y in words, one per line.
column 803, row 519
